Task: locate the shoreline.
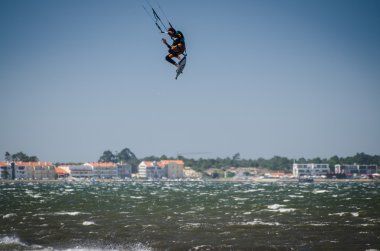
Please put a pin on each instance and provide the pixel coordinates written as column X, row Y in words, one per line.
column 267, row 180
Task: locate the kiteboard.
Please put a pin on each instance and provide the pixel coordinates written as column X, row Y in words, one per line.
column 181, row 66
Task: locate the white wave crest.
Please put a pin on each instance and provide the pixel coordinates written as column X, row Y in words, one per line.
column 68, row 213
column 88, row 223
column 9, row 215
column 275, row 206
column 7, row 240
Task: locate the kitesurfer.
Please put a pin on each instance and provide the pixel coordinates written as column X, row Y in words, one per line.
column 178, row 46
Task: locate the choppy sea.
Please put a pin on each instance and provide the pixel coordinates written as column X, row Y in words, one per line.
column 190, row 216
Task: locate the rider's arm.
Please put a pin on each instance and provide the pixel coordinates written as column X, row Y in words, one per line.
column 166, row 43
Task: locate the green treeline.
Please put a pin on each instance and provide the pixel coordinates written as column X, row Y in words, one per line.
column 275, row 163
column 20, row 156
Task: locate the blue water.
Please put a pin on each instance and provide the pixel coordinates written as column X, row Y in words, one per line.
column 190, row 216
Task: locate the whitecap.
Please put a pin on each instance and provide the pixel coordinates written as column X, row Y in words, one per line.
column 68, row 213
column 9, row 215
column 257, row 222
column 88, row 223
column 240, row 199
column 355, row 214
column 251, row 190
column 201, row 247
column 6, row 240
column 190, row 212
column 139, row 247
column 275, row 206
column 338, row 214
column 280, row 208
column 286, row 210
column 320, row 191
column 137, row 197
column 318, row 224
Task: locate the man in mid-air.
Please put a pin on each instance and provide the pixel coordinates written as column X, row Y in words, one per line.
column 177, row 48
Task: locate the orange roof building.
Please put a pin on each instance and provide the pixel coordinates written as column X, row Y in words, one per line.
column 63, row 171
column 2, row 163
column 163, row 168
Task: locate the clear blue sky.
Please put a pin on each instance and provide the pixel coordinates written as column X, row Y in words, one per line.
column 292, row 78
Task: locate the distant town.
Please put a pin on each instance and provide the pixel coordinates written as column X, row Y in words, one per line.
column 174, row 169
column 124, row 165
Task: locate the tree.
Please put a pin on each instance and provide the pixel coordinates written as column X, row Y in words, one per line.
column 164, row 157
column 334, row 160
column 8, row 157
column 126, row 156
column 33, row 159
column 107, row 156
column 235, row 159
column 316, row 160
column 20, row 156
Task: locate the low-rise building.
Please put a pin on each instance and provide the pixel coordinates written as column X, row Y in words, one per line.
column 124, row 170
column 151, row 170
column 104, row 170
column 109, row 170
column 63, row 171
column 355, row 169
column 5, row 171
column 81, row 171
column 28, row 170
column 155, row 171
column 310, row 169
column 142, row 168
column 172, row 169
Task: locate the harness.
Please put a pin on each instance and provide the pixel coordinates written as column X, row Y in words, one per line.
column 179, row 39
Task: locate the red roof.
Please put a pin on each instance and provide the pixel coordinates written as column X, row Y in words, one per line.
column 166, row 162
column 148, row 163
column 101, row 164
column 19, row 163
column 61, row 171
column 163, row 163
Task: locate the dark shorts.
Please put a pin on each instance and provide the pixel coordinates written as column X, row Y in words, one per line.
column 175, row 53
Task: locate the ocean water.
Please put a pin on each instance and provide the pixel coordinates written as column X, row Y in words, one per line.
column 190, row 216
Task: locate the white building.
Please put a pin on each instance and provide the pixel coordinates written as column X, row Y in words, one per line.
column 172, row 169
column 99, row 170
column 27, row 170
column 5, row 170
column 124, row 171
column 151, row 170
column 356, row 169
column 81, row 171
column 310, row 169
column 142, row 168
column 104, row 170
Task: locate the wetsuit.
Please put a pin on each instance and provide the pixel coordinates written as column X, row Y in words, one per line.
column 177, row 48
